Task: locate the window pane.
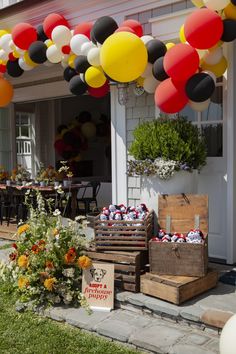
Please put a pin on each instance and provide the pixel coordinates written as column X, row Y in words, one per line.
column 213, row 134
column 24, row 119
column 215, row 109
column 17, row 132
column 189, row 113
column 25, row 131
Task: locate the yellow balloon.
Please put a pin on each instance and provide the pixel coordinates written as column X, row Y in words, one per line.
column 71, row 61
column 198, row 3
column 95, row 77
column 28, row 60
column 217, row 69
column 182, row 35
column 2, row 32
column 230, row 11
column 123, row 56
column 16, row 54
column 48, row 43
column 169, row 45
column 140, row 81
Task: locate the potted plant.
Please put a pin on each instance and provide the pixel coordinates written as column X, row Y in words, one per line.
column 45, row 175
column 166, row 151
column 20, row 175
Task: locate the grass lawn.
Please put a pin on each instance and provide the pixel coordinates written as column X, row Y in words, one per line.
column 30, row 333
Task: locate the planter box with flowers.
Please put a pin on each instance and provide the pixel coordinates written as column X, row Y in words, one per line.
column 20, row 175
column 167, row 153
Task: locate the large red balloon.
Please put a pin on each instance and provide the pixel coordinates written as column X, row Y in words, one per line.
column 135, row 25
column 24, row 35
column 100, row 91
column 51, row 21
column 84, row 28
column 125, row 29
column 203, row 28
column 170, row 96
column 181, row 62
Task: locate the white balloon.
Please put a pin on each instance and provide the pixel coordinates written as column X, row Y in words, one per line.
column 65, row 57
column 213, row 56
column 199, row 106
column 146, row 39
column 148, row 71
column 82, row 77
column 227, row 338
column 201, row 53
column 150, row 84
column 5, row 42
column 216, row 5
column 53, row 54
column 3, row 55
column 85, row 48
column 20, row 51
column 72, row 32
column 93, row 56
column 61, row 35
column 211, row 74
column 64, row 64
column 24, row 66
column 76, row 43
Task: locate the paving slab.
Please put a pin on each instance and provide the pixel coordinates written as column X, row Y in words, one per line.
column 4, row 255
column 216, row 318
column 197, row 339
column 160, row 306
column 192, row 313
column 5, row 242
column 189, row 349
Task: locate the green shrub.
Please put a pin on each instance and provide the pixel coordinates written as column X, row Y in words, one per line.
column 174, row 139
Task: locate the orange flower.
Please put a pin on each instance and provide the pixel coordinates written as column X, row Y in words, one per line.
column 23, row 282
column 22, row 229
column 49, row 283
column 55, row 232
column 84, row 262
column 42, row 244
column 49, row 265
column 35, row 249
column 70, row 257
column 23, row 261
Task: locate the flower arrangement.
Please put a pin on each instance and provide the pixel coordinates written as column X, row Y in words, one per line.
column 47, row 259
column 64, row 170
column 3, row 174
column 20, row 174
column 46, row 174
column 166, row 145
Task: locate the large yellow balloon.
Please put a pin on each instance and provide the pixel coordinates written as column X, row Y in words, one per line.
column 198, row 3
column 217, row 69
column 182, row 35
column 95, row 77
column 123, row 56
column 6, row 92
column 230, row 11
column 71, row 60
column 28, row 60
column 169, row 45
column 2, row 32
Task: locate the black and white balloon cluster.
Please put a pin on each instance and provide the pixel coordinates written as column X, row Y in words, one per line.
column 121, row 212
column 193, row 236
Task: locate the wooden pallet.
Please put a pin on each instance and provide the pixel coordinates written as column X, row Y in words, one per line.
column 177, row 289
column 128, row 267
column 123, row 235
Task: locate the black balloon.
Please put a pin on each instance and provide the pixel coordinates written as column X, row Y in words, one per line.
column 233, row 2
column 13, row 68
column 103, row 28
column 77, row 86
column 155, row 49
column 200, row 87
column 37, row 52
column 41, row 34
column 69, row 73
column 92, row 36
column 229, row 32
column 81, row 64
column 158, row 70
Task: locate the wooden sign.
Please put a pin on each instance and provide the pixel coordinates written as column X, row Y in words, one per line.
column 98, row 286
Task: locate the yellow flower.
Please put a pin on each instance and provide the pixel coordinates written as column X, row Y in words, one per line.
column 23, row 282
column 23, row 261
column 22, row 229
column 84, row 262
column 55, row 232
column 49, row 283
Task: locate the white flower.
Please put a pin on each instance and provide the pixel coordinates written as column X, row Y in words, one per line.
column 57, row 212
column 69, row 272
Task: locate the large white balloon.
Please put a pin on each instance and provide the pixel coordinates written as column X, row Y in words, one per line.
column 146, row 39
column 213, row 57
column 3, row 55
column 216, row 5
column 150, row 84
column 5, row 42
column 199, row 106
column 24, row 66
column 53, row 54
column 76, row 43
column 148, row 71
column 228, row 338
column 85, row 48
column 93, row 56
column 61, row 35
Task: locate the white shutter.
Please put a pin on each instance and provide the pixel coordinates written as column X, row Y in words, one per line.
column 5, row 139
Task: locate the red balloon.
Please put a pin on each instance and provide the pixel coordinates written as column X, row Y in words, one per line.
column 24, row 35
column 3, row 68
column 125, row 29
column 51, row 21
column 181, row 62
column 84, row 28
column 135, row 25
column 100, row 91
column 170, row 96
column 66, row 49
column 203, row 28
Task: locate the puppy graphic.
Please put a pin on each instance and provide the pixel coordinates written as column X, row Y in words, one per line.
column 97, row 274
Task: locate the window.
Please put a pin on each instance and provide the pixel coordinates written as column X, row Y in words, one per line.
column 24, row 140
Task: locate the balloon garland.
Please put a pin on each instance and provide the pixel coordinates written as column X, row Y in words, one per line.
column 93, row 54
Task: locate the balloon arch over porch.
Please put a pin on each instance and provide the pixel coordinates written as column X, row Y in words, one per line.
column 93, row 54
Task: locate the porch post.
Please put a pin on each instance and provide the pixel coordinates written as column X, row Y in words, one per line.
column 119, row 150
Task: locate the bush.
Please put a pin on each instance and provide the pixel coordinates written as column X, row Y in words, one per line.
column 169, row 139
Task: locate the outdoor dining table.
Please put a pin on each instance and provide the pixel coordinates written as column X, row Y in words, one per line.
column 72, row 189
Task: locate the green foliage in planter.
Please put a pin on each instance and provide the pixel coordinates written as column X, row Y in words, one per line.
column 174, row 139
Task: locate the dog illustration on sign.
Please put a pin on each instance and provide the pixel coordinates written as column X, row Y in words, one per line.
column 97, row 274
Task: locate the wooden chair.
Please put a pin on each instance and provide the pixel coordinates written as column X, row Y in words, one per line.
column 86, row 201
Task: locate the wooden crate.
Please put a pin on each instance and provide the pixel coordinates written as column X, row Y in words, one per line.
column 180, row 213
column 123, row 235
column 128, row 267
column 177, row 289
